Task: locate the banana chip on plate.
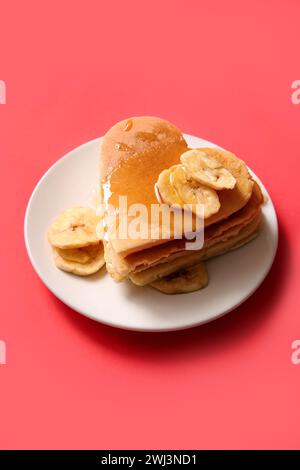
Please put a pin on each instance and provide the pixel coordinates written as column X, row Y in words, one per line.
column 76, row 245
column 79, row 255
column 81, row 269
column 181, row 282
column 74, row 228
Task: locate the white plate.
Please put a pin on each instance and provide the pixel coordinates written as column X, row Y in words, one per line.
column 71, row 182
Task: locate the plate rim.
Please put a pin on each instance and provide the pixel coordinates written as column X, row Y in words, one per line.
column 258, row 282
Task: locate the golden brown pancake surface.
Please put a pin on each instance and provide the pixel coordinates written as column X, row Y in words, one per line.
column 133, row 154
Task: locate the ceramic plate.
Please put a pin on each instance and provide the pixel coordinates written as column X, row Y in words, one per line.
column 73, row 181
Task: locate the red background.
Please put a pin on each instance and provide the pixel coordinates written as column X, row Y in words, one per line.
column 221, row 70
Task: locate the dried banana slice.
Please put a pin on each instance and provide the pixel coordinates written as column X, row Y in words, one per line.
column 206, row 170
column 187, row 280
column 74, row 228
column 191, row 192
column 80, row 255
column 80, row 269
column 166, row 190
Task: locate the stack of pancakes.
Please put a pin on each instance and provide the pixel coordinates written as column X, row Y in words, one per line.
column 133, row 154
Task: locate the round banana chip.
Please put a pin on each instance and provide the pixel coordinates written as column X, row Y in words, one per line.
column 91, row 267
column 191, row 192
column 74, row 228
column 80, row 255
column 187, row 280
column 166, row 190
column 207, row 170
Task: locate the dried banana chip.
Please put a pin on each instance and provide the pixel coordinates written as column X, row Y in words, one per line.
column 74, row 228
column 166, row 190
column 192, row 192
column 206, row 170
column 80, row 269
column 187, row 280
column 80, row 255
